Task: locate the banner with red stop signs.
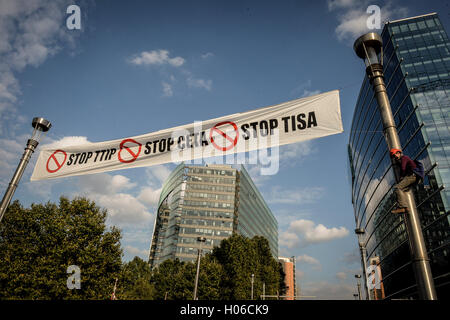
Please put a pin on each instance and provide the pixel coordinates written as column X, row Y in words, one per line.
column 289, row 122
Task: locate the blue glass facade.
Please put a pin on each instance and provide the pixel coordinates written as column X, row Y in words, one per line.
column 213, row 202
column 417, row 76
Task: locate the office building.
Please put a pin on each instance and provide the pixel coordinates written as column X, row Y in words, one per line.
column 213, row 201
column 417, row 76
column 288, row 265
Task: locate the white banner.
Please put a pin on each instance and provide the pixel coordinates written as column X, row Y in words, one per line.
column 289, row 122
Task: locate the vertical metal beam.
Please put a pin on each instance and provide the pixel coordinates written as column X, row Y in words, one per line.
column 418, row 250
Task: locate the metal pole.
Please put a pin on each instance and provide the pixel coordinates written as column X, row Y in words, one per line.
column 31, row 146
column 358, row 276
column 198, row 271
column 201, row 240
column 418, row 250
column 363, row 252
column 363, row 257
column 253, row 278
column 264, row 291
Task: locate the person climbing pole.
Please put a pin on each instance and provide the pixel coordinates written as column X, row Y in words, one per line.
column 411, row 172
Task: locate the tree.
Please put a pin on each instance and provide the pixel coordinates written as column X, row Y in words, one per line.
column 210, row 278
column 134, row 281
column 225, row 273
column 240, row 257
column 174, row 280
column 38, row 244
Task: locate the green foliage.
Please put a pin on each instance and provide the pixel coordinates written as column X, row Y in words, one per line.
column 209, row 279
column 225, row 274
column 174, row 280
column 37, row 245
column 134, row 281
column 241, row 257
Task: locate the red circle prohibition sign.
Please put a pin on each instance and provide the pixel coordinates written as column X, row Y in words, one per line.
column 124, row 147
column 55, row 164
column 233, row 141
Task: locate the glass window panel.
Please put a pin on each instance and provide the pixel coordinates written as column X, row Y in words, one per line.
column 430, row 23
column 412, row 26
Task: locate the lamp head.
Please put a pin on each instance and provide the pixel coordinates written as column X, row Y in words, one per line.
column 40, row 126
column 369, row 47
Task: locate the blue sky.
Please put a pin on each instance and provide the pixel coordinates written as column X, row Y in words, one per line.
column 206, row 59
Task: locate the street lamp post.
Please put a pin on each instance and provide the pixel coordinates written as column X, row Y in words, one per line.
column 201, row 240
column 40, row 126
column 253, row 280
column 370, row 48
column 362, row 248
column 358, row 276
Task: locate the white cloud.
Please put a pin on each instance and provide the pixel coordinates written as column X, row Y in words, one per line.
column 124, row 209
column 30, row 32
column 149, row 196
column 65, row 142
column 309, row 260
column 299, row 274
column 294, row 153
column 296, row 196
column 167, row 89
column 328, row 291
column 352, row 257
column 9, row 89
column 341, row 275
column 11, row 151
column 308, row 93
column 305, row 232
column 133, row 251
column 288, row 156
column 113, row 193
column 353, row 17
column 288, row 239
column 207, row 55
column 104, row 183
column 304, row 90
column 162, row 57
column 156, row 57
column 199, row 83
column 352, row 24
column 335, row 4
column 157, row 175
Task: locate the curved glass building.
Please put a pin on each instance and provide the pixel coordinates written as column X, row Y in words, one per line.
column 214, row 202
column 417, row 76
